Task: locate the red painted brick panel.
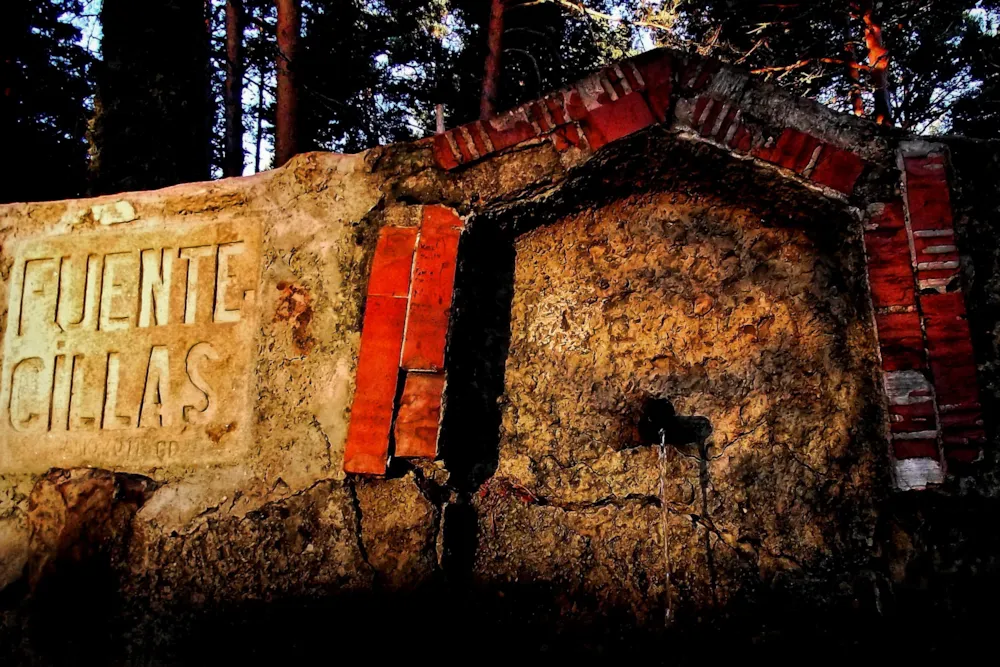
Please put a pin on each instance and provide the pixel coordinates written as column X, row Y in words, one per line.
column 837, row 169
column 913, row 449
column 927, row 192
column 433, row 283
column 443, row 155
column 961, row 455
column 419, row 415
column 367, row 446
column 742, row 140
column 393, row 262
column 566, row 136
column 891, row 215
column 890, row 271
column 947, row 327
column 901, row 341
column 785, row 152
column 508, row 131
column 912, row 417
column 617, row 119
column 437, row 219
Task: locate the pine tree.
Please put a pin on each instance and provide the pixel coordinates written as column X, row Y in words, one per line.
column 153, row 121
column 977, row 112
column 43, row 110
column 817, row 50
column 286, row 143
column 233, row 161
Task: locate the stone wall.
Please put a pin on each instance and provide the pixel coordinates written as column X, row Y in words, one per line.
column 666, row 396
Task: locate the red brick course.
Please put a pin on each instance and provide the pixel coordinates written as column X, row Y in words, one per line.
column 405, row 328
column 433, row 282
column 367, row 448
column 419, row 415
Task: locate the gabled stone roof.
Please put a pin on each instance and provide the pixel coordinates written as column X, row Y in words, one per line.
column 697, row 98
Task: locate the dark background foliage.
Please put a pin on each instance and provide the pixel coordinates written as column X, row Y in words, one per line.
column 142, row 106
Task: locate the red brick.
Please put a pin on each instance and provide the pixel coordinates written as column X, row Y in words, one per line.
column 575, row 108
column 929, row 208
column 962, row 455
column 433, row 284
column 742, row 140
column 393, row 262
column 955, row 381
column 419, row 415
column 617, row 119
column 949, row 340
column 890, row 216
column 537, row 114
column 927, row 193
column 443, row 153
column 805, row 153
column 912, row 417
column 367, row 447
column 914, row 449
column 565, row 137
column 928, row 166
column 555, row 109
column 965, row 417
column 790, row 149
column 837, row 169
column 889, row 269
column 696, row 75
column 437, row 218
column 508, row 131
column 901, row 341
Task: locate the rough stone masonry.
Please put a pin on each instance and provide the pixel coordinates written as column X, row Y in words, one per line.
column 666, row 344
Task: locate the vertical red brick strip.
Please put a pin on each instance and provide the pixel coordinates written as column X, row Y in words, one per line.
column 393, row 262
column 912, row 409
column 419, row 415
column 942, row 303
column 433, row 283
column 367, row 448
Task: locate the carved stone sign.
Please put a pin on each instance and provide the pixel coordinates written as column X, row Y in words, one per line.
column 130, row 348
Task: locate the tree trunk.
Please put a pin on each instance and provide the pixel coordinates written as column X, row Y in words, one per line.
column 154, row 113
column 854, row 74
column 487, row 103
column 878, row 61
column 233, row 163
column 286, row 119
column 259, row 135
